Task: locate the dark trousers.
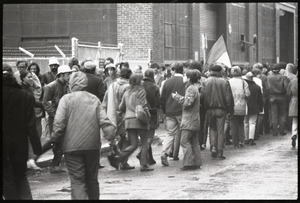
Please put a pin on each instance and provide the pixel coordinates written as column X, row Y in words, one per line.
column 83, row 171
column 237, row 129
column 15, row 182
column 216, row 120
column 277, row 105
column 133, row 135
column 202, row 135
column 266, row 120
column 57, row 147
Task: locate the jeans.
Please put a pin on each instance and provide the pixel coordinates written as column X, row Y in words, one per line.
column 83, row 171
column 191, row 148
column 249, row 125
column 173, row 135
column 216, row 121
column 15, row 182
column 277, row 106
column 237, row 129
column 57, row 147
column 133, row 140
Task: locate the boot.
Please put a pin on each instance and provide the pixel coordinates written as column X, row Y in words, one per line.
column 294, row 140
column 214, row 152
column 220, row 155
column 151, row 159
column 251, row 142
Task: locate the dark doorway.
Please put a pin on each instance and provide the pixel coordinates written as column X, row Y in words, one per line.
column 287, row 37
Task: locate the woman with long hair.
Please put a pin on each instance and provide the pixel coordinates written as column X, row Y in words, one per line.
column 135, row 128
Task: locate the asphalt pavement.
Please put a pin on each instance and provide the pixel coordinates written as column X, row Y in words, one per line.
column 268, row 170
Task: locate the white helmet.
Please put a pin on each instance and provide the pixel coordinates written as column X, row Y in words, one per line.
column 64, row 69
column 53, row 61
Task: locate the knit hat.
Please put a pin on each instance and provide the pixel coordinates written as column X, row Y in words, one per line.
column 236, row 71
column 125, row 73
column 248, row 76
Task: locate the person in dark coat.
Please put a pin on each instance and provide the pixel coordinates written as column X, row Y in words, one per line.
column 254, row 106
column 50, row 75
column 18, row 126
column 218, row 100
column 278, row 87
column 153, row 100
column 95, row 84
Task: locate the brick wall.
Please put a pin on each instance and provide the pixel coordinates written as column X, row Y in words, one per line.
column 135, row 29
column 158, row 33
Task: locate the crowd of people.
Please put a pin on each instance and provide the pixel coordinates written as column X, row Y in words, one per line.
column 76, row 104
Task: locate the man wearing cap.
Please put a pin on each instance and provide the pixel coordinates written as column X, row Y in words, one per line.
column 218, row 100
column 254, row 106
column 50, row 75
column 54, row 91
column 278, row 87
column 95, row 84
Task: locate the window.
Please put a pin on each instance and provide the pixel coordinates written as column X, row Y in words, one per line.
column 177, row 36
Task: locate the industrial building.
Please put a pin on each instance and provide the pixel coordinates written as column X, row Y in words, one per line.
column 162, row 32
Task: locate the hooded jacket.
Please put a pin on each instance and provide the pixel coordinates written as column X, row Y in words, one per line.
column 79, row 118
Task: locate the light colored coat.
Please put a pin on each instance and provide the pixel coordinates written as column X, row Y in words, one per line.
column 79, row 117
column 240, row 92
column 131, row 98
column 190, row 108
column 293, row 93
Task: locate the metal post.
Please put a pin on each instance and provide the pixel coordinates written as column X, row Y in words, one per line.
column 74, row 47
